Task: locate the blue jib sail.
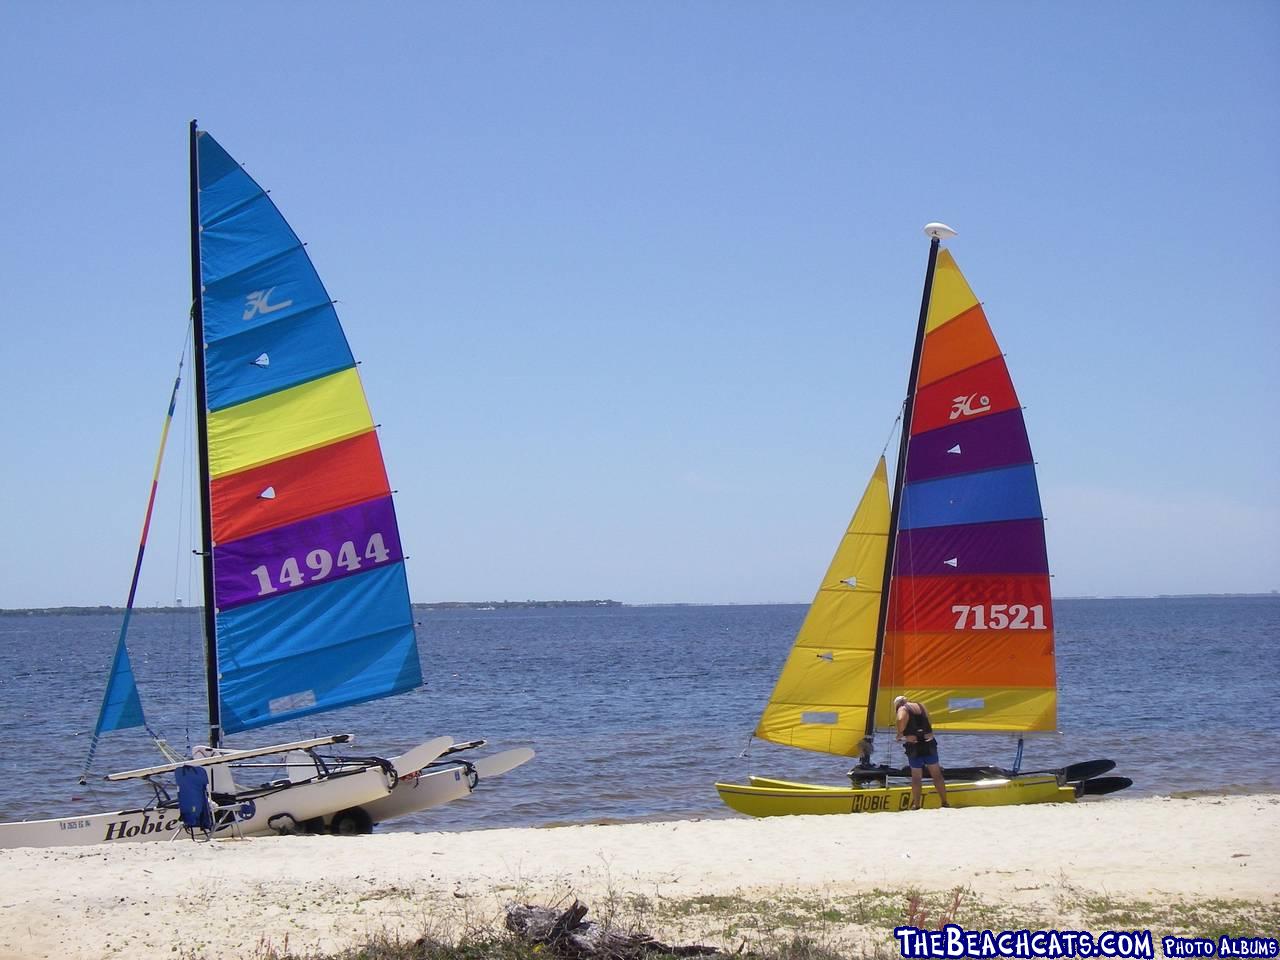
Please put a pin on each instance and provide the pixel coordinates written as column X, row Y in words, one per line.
column 121, row 708
column 312, row 604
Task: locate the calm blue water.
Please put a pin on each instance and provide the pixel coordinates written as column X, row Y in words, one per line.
column 636, row 711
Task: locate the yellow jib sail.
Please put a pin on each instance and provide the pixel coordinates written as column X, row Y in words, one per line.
column 820, row 700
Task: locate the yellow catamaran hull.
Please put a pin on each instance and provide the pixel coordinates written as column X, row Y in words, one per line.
column 764, row 797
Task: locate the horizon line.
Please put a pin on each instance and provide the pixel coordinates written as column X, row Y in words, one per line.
column 608, row 602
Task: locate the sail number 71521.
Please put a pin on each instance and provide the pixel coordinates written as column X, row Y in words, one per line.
column 320, row 564
column 998, row 616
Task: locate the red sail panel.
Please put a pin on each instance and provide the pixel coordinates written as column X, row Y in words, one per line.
column 305, row 485
column 992, row 602
column 974, row 392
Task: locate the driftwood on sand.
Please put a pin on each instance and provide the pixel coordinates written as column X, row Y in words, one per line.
column 567, row 935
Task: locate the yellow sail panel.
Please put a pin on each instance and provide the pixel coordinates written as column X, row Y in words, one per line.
column 982, row 709
column 950, row 295
column 820, row 699
column 287, row 422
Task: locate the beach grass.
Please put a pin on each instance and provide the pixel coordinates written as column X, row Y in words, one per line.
column 1211, row 919
column 813, row 927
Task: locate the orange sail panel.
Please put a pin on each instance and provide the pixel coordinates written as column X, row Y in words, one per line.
column 964, row 342
column 969, row 631
column 821, row 698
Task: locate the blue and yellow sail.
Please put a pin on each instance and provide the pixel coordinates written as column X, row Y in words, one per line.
column 311, row 599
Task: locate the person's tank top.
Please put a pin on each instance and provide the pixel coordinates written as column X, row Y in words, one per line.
column 917, row 724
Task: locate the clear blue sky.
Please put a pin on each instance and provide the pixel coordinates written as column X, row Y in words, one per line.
column 634, row 284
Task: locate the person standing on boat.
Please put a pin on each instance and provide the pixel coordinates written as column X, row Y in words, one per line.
column 915, row 732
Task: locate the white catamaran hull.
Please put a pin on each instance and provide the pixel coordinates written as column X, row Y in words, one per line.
column 268, row 813
column 442, row 782
column 362, row 797
column 156, row 823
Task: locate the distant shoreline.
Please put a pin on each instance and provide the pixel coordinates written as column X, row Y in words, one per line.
column 1174, row 596
column 440, row 605
column 485, row 605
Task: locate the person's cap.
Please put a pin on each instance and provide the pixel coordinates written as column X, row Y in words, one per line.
column 898, row 701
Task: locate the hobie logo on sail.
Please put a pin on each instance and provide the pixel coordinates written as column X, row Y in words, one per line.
column 258, row 305
column 963, row 406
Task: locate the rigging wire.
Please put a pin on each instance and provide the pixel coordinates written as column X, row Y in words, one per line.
column 121, row 707
column 192, row 653
column 177, row 655
column 893, row 431
column 182, row 484
column 746, row 754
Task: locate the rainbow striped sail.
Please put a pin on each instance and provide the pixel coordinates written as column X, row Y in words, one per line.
column 309, row 588
column 969, row 629
column 943, row 594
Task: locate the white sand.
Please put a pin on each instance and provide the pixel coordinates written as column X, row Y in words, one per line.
column 228, row 899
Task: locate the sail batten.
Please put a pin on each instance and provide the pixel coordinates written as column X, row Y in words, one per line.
column 308, row 583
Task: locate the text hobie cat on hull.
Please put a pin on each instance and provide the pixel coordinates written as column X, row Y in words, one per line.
column 938, row 592
column 300, row 548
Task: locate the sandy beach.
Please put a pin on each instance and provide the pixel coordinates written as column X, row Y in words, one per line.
column 236, row 898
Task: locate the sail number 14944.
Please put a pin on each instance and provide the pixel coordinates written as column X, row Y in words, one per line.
column 998, row 616
column 320, row 563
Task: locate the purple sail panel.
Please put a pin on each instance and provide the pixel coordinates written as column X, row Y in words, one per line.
column 304, row 554
column 999, row 440
column 1011, row 546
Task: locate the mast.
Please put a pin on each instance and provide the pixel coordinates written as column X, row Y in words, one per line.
column 936, row 232
column 202, row 450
